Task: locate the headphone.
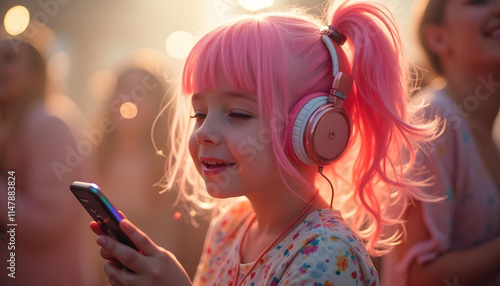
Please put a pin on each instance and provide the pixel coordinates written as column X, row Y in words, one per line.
column 319, row 126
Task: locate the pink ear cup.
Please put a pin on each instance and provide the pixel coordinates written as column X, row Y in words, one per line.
column 318, row 132
column 327, row 134
column 296, row 125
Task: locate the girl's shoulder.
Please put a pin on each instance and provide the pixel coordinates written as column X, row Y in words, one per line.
column 324, row 249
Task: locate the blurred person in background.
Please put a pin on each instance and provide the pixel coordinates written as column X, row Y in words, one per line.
column 457, row 240
column 42, row 150
column 130, row 166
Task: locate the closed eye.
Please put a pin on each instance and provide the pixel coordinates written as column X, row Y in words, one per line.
column 237, row 115
column 198, row 116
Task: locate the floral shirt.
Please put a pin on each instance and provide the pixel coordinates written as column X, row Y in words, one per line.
column 321, row 251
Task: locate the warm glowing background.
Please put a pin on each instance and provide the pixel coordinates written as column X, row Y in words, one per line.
column 87, row 43
column 84, row 41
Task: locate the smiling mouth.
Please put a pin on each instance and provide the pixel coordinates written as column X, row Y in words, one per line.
column 216, row 165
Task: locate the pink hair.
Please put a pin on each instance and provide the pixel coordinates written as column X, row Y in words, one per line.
column 265, row 54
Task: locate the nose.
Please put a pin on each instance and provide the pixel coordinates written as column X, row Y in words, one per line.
column 209, row 133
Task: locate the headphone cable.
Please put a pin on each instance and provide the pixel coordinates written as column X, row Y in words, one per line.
column 320, row 171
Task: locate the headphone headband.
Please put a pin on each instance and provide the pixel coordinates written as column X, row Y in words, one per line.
column 342, row 82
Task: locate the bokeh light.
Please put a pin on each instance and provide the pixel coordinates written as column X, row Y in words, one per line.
column 16, row 20
column 58, row 66
column 128, row 110
column 254, row 5
column 177, row 215
column 179, row 44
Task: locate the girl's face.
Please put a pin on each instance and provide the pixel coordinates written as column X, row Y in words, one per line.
column 472, row 30
column 231, row 146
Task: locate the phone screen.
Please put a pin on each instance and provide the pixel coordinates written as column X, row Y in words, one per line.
column 101, row 210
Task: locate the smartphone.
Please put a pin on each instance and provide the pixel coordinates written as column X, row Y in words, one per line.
column 101, row 210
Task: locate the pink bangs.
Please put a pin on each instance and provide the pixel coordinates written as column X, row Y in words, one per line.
column 237, row 54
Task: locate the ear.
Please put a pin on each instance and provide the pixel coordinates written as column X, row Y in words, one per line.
column 436, row 39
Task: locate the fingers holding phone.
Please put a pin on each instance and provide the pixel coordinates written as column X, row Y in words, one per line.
column 151, row 264
column 130, row 258
column 94, row 226
column 124, row 245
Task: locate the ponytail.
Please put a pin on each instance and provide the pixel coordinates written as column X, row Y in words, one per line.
column 385, row 128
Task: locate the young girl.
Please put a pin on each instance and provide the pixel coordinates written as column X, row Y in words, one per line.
column 266, row 96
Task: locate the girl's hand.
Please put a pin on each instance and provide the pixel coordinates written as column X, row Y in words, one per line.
column 153, row 265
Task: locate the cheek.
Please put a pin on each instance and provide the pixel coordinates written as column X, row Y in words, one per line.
column 263, row 163
column 193, row 147
column 465, row 24
column 193, row 151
